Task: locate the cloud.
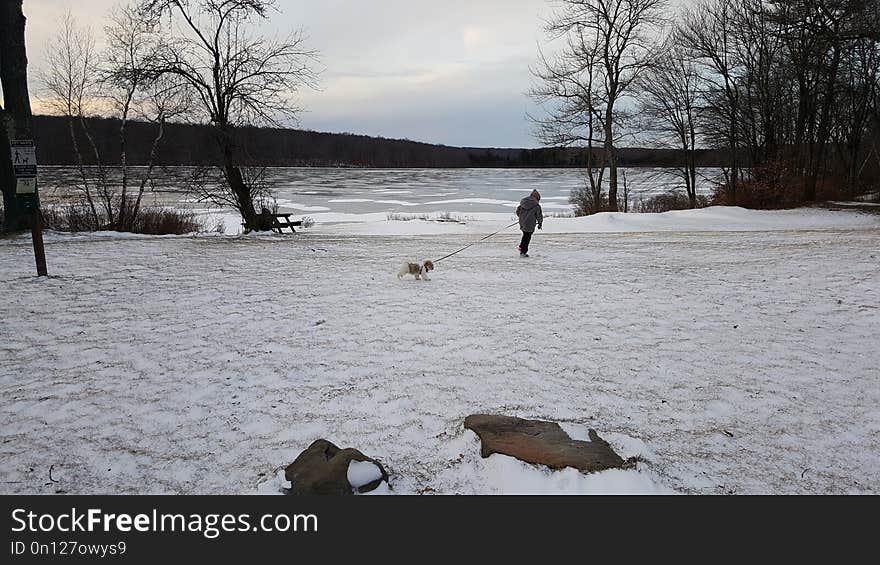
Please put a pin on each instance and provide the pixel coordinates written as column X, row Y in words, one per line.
column 476, row 38
column 451, row 72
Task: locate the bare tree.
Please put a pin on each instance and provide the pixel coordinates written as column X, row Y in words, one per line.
column 860, row 69
column 237, row 78
column 607, row 46
column 567, row 86
column 669, row 106
column 135, row 87
column 786, row 80
column 209, row 184
column 131, row 44
column 811, row 31
column 763, row 85
column 163, row 100
column 123, row 83
column 70, row 84
column 708, row 32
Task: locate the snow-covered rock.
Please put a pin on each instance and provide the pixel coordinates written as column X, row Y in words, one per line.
column 323, row 468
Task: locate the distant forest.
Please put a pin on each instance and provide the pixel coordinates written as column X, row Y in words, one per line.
column 186, row 144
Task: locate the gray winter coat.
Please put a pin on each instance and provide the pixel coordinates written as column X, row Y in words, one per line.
column 529, row 214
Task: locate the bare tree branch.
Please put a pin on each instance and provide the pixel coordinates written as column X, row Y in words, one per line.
column 239, row 79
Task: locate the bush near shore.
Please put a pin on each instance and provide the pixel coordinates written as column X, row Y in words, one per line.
column 149, row 221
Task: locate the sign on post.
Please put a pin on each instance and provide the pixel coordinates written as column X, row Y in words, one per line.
column 24, row 164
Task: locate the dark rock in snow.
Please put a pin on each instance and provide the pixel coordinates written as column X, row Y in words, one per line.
column 323, row 469
column 541, row 443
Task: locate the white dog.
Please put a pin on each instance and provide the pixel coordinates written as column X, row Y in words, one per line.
column 420, row 272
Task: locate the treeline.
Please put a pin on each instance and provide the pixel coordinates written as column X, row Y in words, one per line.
column 792, row 85
column 187, row 144
column 788, row 89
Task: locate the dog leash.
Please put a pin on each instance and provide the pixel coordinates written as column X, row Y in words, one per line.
column 476, row 242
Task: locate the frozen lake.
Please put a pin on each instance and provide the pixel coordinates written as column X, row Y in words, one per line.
column 336, row 194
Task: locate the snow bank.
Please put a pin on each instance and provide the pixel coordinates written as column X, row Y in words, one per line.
column 714, row 219
column 510, row 476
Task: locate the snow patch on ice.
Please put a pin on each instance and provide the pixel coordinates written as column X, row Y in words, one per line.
column 508, row 203
column 301, row 207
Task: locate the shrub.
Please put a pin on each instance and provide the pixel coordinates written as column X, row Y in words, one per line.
column 668, row 201
column 149, row 221
column 398, row 217
column 166, row 221
column 70, row 218
column 585, row 202
column 558, row 214
column 760, row 195
column 775, row 185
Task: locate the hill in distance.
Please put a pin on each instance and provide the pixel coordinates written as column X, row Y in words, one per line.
column 188, row 144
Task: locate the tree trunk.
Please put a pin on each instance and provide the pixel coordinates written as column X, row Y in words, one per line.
column 13, row 219
column 823, row 130
column 135, row 210
column 851, row 160
column 612, row 180
column 15, row 118
column 611, row 158
column 242, row 196
column 71, row 128
column 734, row 161
column 104, row 189
column 122, row 219
column 18, row 122
column 240, row 190
column 692, row 159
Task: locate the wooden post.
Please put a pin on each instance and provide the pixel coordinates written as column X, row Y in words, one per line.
column 36, row 221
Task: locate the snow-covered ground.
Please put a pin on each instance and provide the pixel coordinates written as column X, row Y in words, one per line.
column 483, row 223
column 733, row 351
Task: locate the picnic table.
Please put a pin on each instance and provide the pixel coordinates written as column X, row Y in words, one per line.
column 276, row 222
column 283, row 221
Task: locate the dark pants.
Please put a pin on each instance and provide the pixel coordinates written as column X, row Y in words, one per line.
column 524, row 244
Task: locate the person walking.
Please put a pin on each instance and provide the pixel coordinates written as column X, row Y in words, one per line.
column 530, row 217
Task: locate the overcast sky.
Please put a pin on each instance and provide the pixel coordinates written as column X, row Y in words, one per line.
column 450, row 71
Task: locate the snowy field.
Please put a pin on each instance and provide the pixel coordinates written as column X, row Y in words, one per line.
column 733, row 351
